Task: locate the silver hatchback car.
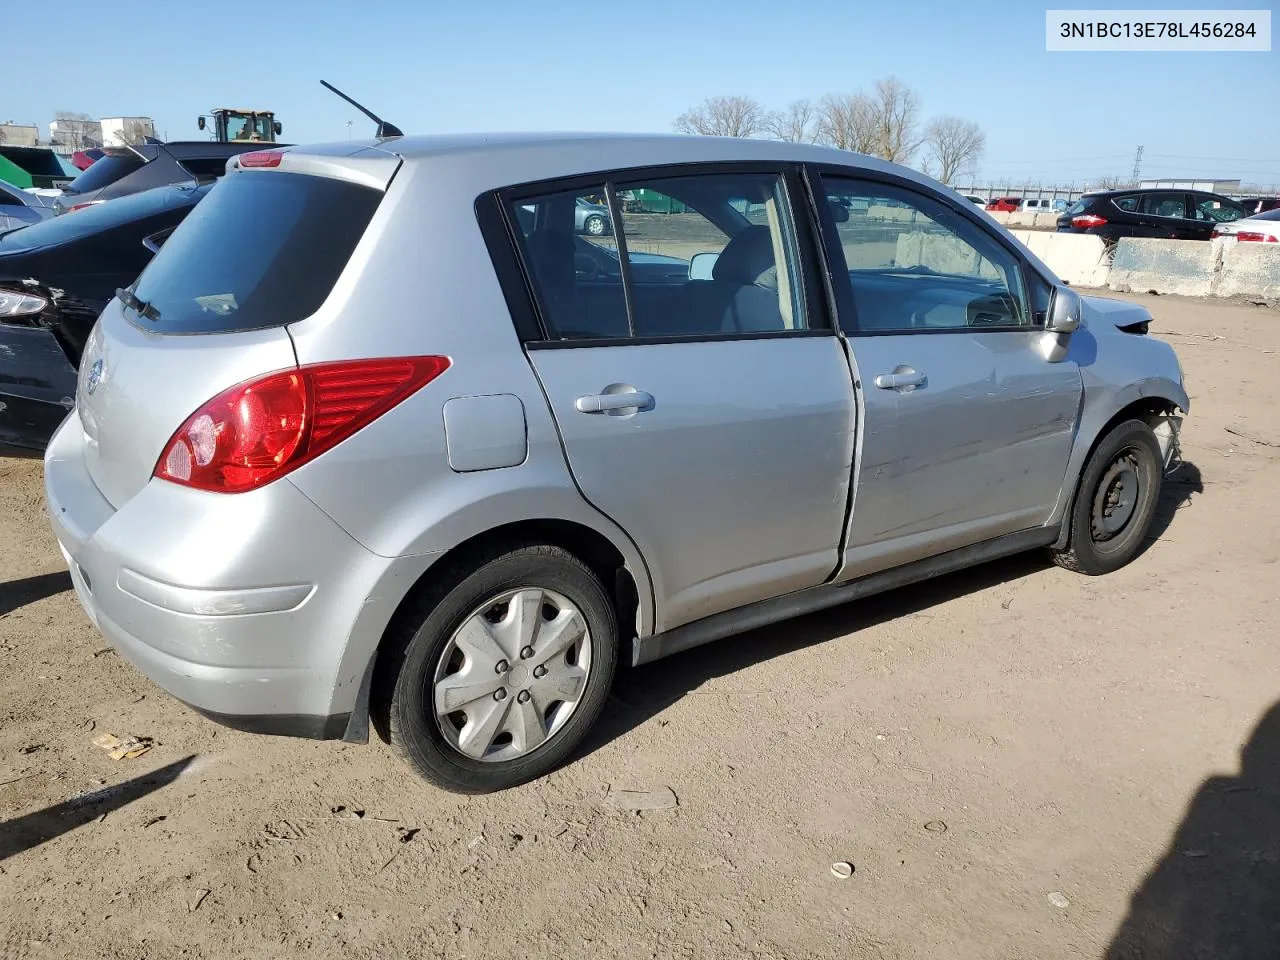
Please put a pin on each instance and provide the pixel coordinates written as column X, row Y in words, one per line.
column 379, row 435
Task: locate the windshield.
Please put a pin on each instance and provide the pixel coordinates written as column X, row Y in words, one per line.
column 263, row 250
column 100, row 217
column 248, row 128
column 106, row 171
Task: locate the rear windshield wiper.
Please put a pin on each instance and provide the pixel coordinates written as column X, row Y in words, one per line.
column 136, row 303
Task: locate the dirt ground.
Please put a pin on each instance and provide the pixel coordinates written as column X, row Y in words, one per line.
column 1017, row 761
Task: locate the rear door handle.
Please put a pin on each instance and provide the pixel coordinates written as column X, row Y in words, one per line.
column 608, row 402
column 902, row 377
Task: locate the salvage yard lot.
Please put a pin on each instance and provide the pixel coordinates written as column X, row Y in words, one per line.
column 1054, row 731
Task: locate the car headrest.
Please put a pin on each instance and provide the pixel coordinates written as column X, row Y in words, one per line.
column 746, row 256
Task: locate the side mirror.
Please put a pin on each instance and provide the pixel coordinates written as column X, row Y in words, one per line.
column 155, row 241
column 200, row 122
column 702, row 266
column 1064, row 312
column 278, row 127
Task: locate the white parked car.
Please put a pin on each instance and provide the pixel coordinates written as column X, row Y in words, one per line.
column 1260, row 228
column 1043, row 205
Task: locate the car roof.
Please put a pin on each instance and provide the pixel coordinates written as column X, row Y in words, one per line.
column 502, row 158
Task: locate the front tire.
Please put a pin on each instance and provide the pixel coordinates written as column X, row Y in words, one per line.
column 1115, row 501
column 503, row 677
column 595, row 225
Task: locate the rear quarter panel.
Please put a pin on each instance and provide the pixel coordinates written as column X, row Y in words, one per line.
column 421, row 282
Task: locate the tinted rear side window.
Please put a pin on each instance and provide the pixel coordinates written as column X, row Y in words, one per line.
column 204, row 168
column 106, row 171
column 261, row 250
column 1127, row 204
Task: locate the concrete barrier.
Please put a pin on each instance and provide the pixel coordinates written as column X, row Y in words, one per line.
column 941, row 252
column 1186, row 267
column 1077, row 258
column 1249, row 269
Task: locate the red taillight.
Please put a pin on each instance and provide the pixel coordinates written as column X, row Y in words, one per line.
column 259, row 430
column 1216, row 234
column 1245, row 236
column 1088, row 220
column 261, row 158
column 81, row 206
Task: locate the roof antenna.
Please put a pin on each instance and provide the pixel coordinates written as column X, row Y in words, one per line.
column 385, row 129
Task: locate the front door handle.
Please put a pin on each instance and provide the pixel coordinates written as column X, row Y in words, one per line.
column 901, row 377
column 613, row 402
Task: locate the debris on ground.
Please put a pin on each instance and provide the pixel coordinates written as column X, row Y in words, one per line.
column 32, row 748
column 659, row 798
column 1059, row 900
column 127, row 749
column 936, row 826
column 842, row 869
column 194, row 904
column 1245, row 435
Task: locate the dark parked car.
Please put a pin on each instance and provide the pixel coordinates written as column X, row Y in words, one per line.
column 125, row 170
column 1163, row 214
column 1260, row 204
column 55, row 278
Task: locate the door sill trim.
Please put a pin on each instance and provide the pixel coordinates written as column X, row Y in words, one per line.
column 765, row 612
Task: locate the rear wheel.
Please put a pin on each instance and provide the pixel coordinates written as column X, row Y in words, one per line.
column 1115, row 501
column 503, row 677
column 595, row 225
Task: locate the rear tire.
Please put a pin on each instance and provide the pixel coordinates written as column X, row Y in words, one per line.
column 1115, row 501
column 595, row 225
column 475, row 707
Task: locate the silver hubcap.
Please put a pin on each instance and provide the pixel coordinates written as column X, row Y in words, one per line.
column 595, row 226
column 1117, row 496
column 512, row 674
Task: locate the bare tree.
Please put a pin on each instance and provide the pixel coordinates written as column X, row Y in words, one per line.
column 954, row 146
column 135, row 131
column 723, row 117
column 845, row 122
column 895, row 111
column 77, row 130
column 797, row 124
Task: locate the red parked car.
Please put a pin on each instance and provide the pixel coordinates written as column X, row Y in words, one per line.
column 1005, row 204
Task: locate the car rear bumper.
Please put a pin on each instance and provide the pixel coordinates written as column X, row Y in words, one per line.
column 255, row 609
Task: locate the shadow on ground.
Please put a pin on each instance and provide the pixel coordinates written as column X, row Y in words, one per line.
column 32, row 829
column 1216, row 892
column 19, row 593
column 640, row 693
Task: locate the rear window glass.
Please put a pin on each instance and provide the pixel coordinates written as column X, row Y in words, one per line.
column 106, row 171
column 261, row 250
column 1269, row 215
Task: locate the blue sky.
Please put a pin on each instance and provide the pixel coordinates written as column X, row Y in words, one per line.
column 586, row 64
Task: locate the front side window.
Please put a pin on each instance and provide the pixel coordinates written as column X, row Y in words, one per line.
column 915, row 264
column 1164, row 205
column 692, row 256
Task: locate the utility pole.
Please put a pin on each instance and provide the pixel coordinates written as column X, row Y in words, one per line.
column 1137, row 164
